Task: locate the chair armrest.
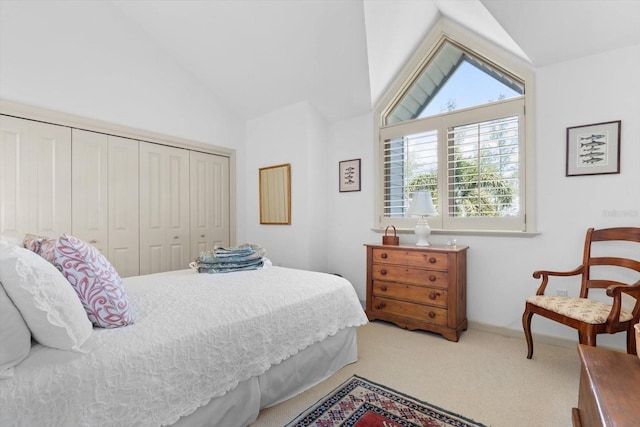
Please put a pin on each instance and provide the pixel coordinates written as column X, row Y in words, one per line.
column 545, row 274
column 615, row 291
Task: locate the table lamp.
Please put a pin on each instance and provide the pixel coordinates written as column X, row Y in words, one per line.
column 422, row 205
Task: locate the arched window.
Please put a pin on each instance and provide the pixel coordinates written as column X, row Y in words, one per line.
column 454, row 123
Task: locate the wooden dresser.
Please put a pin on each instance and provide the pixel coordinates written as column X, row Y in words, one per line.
column 609, row 392
column 418, row 287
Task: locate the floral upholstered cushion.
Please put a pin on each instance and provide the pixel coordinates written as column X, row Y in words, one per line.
column 96, row 282
column 583, row 309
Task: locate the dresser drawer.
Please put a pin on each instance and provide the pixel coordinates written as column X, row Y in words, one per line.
column 410, row 276
column 418, row 294
column 434, row 315
column 431, row 260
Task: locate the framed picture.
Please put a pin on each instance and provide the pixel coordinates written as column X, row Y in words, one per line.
column 349, row 171
column 593, row 149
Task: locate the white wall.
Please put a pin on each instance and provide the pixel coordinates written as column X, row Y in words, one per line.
column 589, row 90
column 84, row 58
column 295, row 135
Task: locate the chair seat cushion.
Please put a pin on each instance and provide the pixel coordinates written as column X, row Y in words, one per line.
column 582, row 309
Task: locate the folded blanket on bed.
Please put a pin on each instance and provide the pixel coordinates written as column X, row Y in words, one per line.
column 224, row 260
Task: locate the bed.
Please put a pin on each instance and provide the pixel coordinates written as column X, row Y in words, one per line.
column 205, row 350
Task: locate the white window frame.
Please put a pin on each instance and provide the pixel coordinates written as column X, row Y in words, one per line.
column 491, row 54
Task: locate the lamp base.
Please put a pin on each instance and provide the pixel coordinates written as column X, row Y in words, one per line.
column 423, row 231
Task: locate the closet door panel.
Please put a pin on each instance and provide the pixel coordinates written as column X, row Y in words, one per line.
column 35, row 191
column 164, row 208
column 12, row 223
column 209, row 202
column 124, row 247
column 178, row 208
column 90, row 207
column 152, row 216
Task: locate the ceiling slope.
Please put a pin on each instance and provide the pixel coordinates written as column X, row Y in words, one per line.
column 258, row 56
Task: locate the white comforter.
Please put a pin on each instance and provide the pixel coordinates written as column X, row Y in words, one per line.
column 196, row 337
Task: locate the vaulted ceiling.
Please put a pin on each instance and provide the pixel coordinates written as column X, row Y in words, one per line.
column 257, row 56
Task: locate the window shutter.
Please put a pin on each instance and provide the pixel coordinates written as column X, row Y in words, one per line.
column 483, row 169
column 410, row 164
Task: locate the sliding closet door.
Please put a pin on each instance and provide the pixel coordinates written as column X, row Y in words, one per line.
column 124, row 247
column 35, row 178
column 164, row 208
column 90, row 209
column 209, row 202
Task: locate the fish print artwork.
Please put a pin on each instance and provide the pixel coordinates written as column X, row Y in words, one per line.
column 592, row 149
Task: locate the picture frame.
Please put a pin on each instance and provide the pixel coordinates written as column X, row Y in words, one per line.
column 349, row 175
column 593, row 149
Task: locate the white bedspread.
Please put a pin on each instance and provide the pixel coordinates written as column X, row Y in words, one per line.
column 196, row 337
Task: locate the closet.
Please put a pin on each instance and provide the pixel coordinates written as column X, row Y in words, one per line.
column 35, row 178
column 164, row 208
column 104, row 197
column 148, row 207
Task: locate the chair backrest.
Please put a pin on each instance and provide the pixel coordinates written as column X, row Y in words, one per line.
column 629, row 234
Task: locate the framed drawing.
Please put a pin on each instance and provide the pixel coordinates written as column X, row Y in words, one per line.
column 349, row 171
column 275, row 194
column 593, row 149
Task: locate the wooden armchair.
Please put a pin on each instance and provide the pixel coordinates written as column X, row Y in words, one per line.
column 588, row 316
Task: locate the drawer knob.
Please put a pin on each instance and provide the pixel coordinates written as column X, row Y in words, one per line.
column 381, row 305
column 383, row 288
column 431, row 314
column 383, row 272
column 432, row 260
column 384, row 255
column 432, row 278
column 433, row 295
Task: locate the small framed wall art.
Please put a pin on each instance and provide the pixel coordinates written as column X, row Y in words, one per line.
column 593, row 149
column 349, row 171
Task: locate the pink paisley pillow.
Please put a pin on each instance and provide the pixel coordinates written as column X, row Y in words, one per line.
column 95, row 281
column 41, row 245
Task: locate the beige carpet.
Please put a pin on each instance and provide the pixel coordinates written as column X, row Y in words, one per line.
column 484, row 376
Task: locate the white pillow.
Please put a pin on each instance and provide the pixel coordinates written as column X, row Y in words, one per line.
column 15, row 338
column 45, row 299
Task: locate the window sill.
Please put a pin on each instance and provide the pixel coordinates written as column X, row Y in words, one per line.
column 490, row 233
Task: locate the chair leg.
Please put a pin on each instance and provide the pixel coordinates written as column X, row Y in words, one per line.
column 631, row 341
column 526, row 325
column 587, row 338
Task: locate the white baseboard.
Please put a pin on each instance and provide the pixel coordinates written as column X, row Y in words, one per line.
column 537, row 338
column 513, row 333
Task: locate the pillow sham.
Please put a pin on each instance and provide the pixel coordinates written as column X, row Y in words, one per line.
column 42, row 245
column 49, row 306
column 95, row 281
column 15, row 338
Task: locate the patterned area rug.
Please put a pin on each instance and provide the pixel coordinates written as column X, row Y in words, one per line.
column 359, row 402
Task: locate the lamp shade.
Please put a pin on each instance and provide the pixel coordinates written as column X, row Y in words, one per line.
column 422, row 204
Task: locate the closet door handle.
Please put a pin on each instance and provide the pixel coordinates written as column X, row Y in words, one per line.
column 176, row 237
column 92, row 241
column 202, row 236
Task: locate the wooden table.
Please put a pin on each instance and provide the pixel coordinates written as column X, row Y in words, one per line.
column 609, row 392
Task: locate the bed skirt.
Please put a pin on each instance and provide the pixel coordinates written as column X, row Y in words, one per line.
column 240, row 406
